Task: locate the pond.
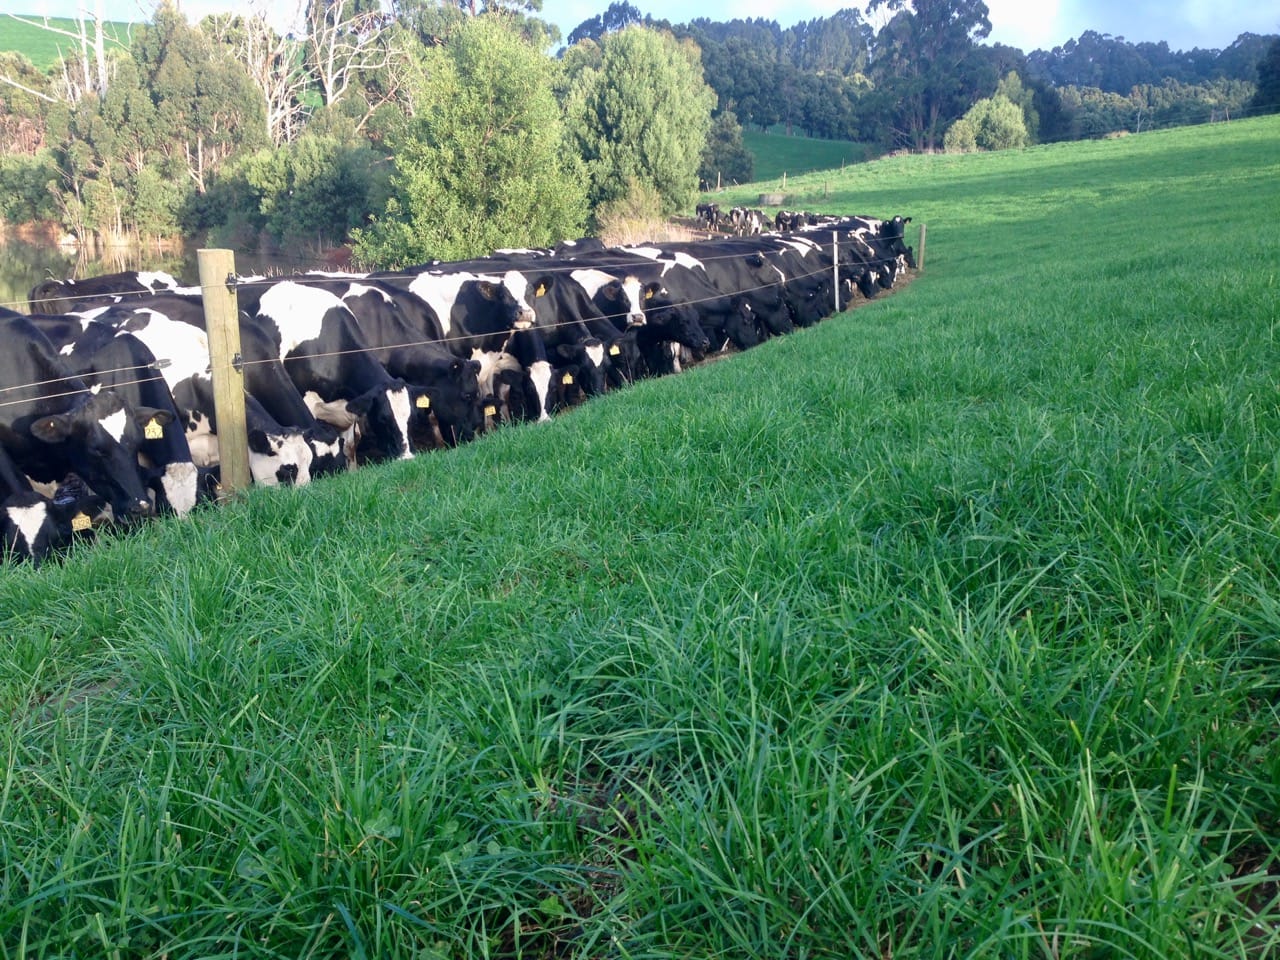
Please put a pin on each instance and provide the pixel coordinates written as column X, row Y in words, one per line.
column 24, row 262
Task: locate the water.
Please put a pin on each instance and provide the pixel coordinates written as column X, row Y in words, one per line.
column 25, row 262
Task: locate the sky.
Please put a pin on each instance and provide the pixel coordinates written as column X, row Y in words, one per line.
column 1027, row 24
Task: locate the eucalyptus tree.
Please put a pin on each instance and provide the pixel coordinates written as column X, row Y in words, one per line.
column 207, row 108
column 920, row 60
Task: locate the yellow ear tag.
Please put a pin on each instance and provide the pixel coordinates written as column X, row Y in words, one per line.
column 567, row 379
column 542, row 288
column 423, row 402
column 490, row 411
column 80, row 522
column 153, row 430
column 648, row 294
column 614, row 350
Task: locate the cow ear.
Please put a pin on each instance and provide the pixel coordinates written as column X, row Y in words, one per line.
column 475, row 366
column 564, row 351
column 360, row 405
column 543, row 285
column 487, row 290
column 52, row 429
column 258, row 441
column 650, row 289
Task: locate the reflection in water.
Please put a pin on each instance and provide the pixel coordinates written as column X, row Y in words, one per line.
column 24, row 263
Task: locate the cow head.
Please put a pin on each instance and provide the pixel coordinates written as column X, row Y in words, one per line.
column 678, row 322
column 384, row 413
column 586, row 363
column 280, row 458
column 100, row 436
column 454, row 402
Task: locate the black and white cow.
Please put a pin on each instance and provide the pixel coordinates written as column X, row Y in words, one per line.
column 319, row 343
column 402, row 332
column 62, row 296
column 98, row 347
column 286, row 443
column 53, row 423
column 33, row 525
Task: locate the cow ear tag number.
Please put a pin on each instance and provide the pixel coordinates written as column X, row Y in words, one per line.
column 490, row 411
column 80, row 522
column 153, row 430
column 423, row 402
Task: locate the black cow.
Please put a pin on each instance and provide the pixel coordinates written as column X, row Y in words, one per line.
column 33, row 525
column 53, row 424
column 62, row 296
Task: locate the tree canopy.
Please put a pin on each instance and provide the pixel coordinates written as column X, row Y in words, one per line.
column 642, row 115
column 486, row 166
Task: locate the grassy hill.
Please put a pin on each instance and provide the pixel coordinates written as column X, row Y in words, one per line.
column 947, row 628
column 45, row 47
column 776, row 154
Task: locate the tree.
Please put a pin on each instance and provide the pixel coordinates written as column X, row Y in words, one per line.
column 206, row 106
column 620, row 14
column 274, row 64
column 344, row 39
column 724, row 158
column 1011, row 88
column 1267, row 97
column 484, row 163
column 643, row 116
column 997, row 123
column 920, row 62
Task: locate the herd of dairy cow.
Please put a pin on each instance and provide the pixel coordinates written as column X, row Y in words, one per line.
column 106, row 397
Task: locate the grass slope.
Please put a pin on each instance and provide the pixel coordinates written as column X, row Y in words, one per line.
column 947, row 628
column 776, row 154
column 44, row 48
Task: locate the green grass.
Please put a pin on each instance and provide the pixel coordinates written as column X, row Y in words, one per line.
column 776, row 154
column 44, row 48
column 947, row 628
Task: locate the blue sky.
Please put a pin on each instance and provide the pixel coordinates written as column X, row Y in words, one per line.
column 1028, row 24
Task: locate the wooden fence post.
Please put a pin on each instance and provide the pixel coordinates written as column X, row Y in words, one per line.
column 835, row 267
column 222, row 321
column 920, row 254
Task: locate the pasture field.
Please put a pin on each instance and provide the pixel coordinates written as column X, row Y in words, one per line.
column 776, row 154
column 949, row 628
column 44, row 47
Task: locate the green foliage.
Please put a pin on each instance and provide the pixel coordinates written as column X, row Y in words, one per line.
column 724, row 158
column 994, row 123
column 314, row 190
column 1012, row 89
column 961, row 137
column 644, row 115
column 968, row 651
column 483, row 164
column 1267, row 97
column 206, row 107
column 24, row 187
column 929, row 69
